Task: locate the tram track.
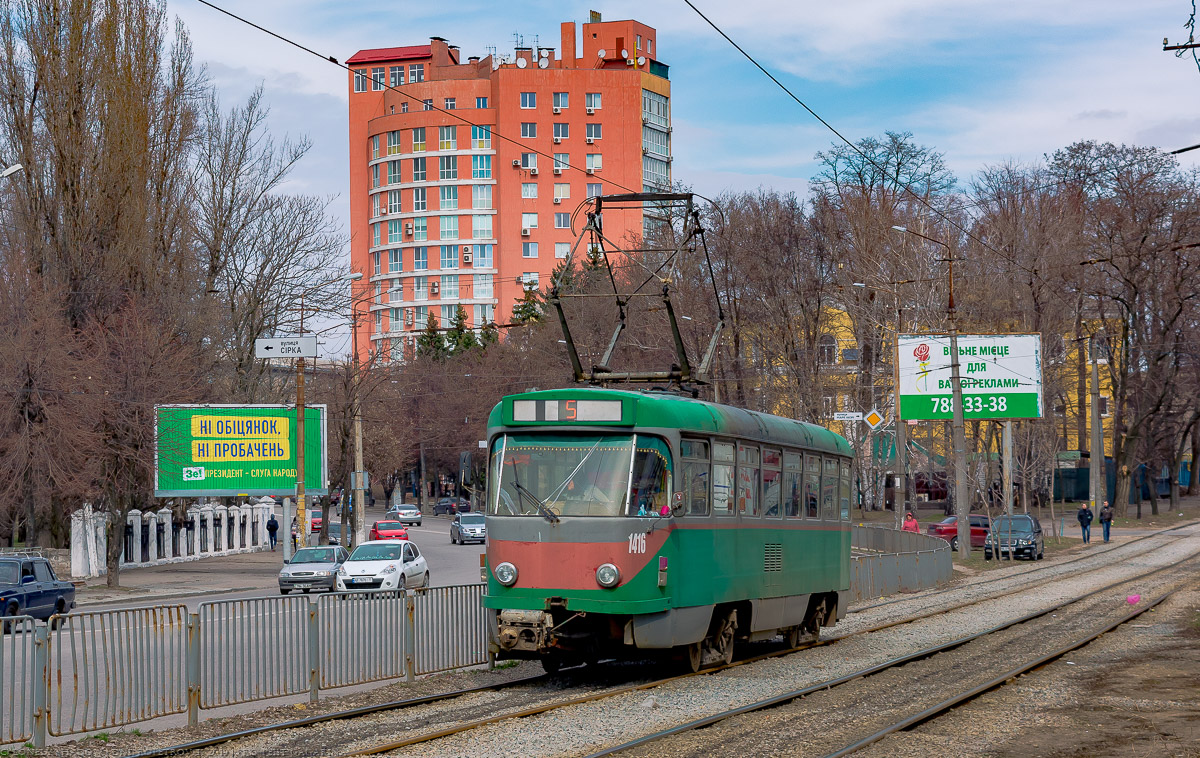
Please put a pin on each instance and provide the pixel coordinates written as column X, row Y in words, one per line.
column 512, row 707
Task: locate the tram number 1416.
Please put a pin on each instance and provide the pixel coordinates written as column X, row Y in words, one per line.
column 637, row 543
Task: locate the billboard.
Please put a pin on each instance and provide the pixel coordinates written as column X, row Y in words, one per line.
column 230, row 450
column 1001, row 376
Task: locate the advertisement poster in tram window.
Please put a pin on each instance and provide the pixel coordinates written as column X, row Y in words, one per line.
column 1001, row 376
column 231, row 450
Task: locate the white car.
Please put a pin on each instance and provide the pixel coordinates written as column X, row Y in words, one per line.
column 383, row 565
column 405, row 514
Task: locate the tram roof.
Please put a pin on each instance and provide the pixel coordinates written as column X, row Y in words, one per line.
column 658, row 409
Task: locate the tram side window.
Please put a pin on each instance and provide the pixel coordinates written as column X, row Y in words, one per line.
column 649, row 483
column 812, row 486
column 829, row 485
column 748, row 473
column 792, row 475
column 695, row 477
column 772, row 480
column 722, row 479
column 845, row 490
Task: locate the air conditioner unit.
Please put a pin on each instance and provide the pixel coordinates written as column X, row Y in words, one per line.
column 558, row 140
column 590, row 111
column 516, row 162
column 408, row 316
column 591, row 140
column 557, row 171
column 533, row 171
column 408, row 228
column 466, row 259
column 558, row 201
column 557, row 110
column 466, row 249
column 630, row 61
column 524, row 232
column 591, row 170
column 435, row 287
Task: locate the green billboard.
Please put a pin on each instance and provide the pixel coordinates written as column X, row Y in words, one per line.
column 230, row 450
column 1000, row 374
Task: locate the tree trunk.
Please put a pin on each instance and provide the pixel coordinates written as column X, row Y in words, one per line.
column 1151, row 474
column 1193, row 487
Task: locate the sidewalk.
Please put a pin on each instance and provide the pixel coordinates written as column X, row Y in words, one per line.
column 207, row 576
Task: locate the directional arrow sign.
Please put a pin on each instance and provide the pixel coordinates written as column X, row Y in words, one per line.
column 847, row 416
column 286, row 347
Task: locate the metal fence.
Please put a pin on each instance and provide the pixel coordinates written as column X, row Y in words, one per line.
column 453, row 619
column 364, row 637
column 22, row 647
column 255, row 649
column 896, row 562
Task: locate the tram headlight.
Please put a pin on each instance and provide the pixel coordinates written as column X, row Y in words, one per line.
column 608, row 575
column 506, row 574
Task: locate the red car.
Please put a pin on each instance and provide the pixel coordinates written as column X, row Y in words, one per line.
column 947, row 529
column 388, row 530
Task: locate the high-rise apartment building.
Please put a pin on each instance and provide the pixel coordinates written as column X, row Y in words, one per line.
column 465, row 176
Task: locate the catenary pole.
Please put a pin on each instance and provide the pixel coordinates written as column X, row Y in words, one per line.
column 1096, row 460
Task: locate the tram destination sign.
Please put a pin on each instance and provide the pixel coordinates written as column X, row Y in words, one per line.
column 230, row 450
column 1001, row 376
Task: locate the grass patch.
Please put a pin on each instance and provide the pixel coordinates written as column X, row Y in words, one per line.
column 506, row 665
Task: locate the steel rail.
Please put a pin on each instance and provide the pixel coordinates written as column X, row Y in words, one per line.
column 892, row 663
column 936, row 710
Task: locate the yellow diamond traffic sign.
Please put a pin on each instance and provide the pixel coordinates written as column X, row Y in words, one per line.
column 874, row 418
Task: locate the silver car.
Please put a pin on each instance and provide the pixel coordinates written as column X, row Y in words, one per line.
column 405, row 514
column 312, row 568
column 468, row 527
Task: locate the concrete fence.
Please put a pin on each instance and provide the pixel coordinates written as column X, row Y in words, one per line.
column 891, row 561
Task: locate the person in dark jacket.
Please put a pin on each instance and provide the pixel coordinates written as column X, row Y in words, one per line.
column 272, row 529
column 1085, row 522
column 1106, row 517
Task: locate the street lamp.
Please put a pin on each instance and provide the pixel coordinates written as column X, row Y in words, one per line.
column 958, row 431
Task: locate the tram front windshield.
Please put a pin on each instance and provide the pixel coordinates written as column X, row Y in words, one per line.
column 577, row 475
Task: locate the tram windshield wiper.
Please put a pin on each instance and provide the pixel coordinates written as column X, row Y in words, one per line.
column 563, row 484
column 548, row 514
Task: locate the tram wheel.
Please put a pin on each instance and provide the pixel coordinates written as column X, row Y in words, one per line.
column 552, row 663
column 792, row 637
column 694, row 656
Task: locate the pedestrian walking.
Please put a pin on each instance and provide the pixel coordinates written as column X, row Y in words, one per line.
column 1085, row 523
column 1106, row 517
column 910, row 524
column 272, row 529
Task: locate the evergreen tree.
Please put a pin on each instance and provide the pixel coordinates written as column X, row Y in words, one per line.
column 459, row 338
column 431, row 343
column 529, row 308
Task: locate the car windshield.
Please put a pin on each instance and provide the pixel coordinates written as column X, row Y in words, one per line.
column 376, row 553
column 474, row 520
column 1012, row 524
column 577, row 475
column 950, row 520
column 383, row 525
column 8, row 573
column 315, row 555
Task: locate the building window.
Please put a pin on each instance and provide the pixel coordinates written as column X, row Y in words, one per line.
column 420, row 229
column 528, row 190
column 562, row 220
column 393, row 201
column 481, row 167
column 828, row 406
column 593, row 131
column 397, row 75
column 419, row 202
column 1104, row 405
column 375, row 147
column 655, row 141
column 375, row 234
column 484, row 314
column 655, row 109
column 420, row 258
column 447, row 138
column 448, row 167
column 449, row 257
column 638, row 45
column 481, row 137
column 448, row 312
column 375, row 176
column 450, row 286
column 375, row 263
column 560, row 99
column 396, row 290
column 481, row 227
column 562, row 131
column 562, row 249
column 529, row 221
column 378, row 322
column 419, row 140
column 393, row 142
column 360, row 80
column 595, row 161
column 592, row 100
column 593, row 189
column 529, row 249
column 393, row 172
column 377, row 78
column 562, row 190
column 827, row 349
column 481, row 102
column 421, row 314
column 404, row 107
column 416, row 72
column 393, row 319
column 450, row 103
column 420, row 288
column 394, row 233
column 395, row 261
column 449, row 197
column 483, row 286
column 562, row 160
column 528, row 100
column 449, row 228
column 655, row 172
column 528, row 160
column 483, row 256
column 530, row 280
column 374, row 205
column 528, row 129
column 481, row 195
column 418, row 170
column 427, row 104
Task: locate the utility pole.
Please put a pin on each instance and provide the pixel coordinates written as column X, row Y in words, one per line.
column 359, row 517
column 1007, row 463
column 901, row 436
column 1096, row 462
column 301, row 521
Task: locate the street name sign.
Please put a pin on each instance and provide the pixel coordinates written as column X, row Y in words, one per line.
column 1001, row 376
column 847, row 416
column 286, row 347
column 230, row 450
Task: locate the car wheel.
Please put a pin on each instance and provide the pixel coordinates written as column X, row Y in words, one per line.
column 306, row 591
column 402, row 584
column 418, row 523
column 282, row 591
column 12, row 610
column 425, row 580
column 987, row 555
column 58, row 620
column 954, row 545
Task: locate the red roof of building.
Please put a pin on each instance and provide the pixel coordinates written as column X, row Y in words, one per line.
column 390, row 54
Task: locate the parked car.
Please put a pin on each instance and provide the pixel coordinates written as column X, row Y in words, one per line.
column 451, row 506
column 1015, row 535
column 316, row 524
column 388, row 530
column 405, row 514
column 312, row 568
column 387, row 565
column 28, row 587
column 947, row 529
column 336, row 536
column 468, row 527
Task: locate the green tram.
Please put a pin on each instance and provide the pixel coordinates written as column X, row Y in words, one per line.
column 622, row 522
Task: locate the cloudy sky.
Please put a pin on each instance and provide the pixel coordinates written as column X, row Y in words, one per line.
column 982, row 82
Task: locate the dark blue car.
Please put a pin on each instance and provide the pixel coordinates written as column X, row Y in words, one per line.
column 28, row 587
